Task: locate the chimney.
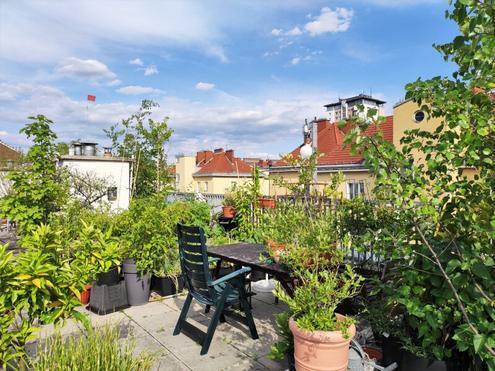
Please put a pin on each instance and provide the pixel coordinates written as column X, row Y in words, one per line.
column 208, row 155
column 200, row 156
column 230, row 155
column 108, row 152
column 218, row 150
column 322, row 123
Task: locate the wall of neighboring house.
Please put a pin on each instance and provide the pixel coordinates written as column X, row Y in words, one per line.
column 221, row 184
column 361, row 181
column 404, row 119
column 115, row 171
column 185, row 167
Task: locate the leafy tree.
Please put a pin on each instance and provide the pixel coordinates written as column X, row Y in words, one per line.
column 445, row 284
column 37, row 187
column 143, row 139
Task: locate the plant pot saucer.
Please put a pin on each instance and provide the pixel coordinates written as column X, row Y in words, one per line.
column 266, row 285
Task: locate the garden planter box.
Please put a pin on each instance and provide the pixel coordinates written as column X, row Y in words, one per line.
column 111, row 277
column 106, row 299
column 166, row 286
column 136, row 284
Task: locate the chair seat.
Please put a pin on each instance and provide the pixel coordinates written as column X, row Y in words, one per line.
column 232, row 298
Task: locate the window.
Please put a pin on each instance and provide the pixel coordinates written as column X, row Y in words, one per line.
column 419, row 116
column 355, row 189
column 205, row 187
column 112, row 193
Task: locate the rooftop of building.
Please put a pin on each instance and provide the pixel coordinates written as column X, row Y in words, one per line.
column 355, row 98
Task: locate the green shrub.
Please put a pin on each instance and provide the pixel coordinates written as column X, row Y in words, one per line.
column 149, row 232
column 99, row 349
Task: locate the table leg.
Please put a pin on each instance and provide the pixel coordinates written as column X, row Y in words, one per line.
column 216, row 272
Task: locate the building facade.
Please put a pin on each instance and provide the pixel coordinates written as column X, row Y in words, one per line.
column 85, row 160
column 215, row 172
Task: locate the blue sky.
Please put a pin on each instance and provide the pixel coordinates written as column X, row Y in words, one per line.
column 238, row 74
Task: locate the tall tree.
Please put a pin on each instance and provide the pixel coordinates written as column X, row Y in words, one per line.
column 37, row 188
column 143, row 139
column 448, row 274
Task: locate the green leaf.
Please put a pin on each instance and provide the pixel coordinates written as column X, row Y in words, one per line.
column 478, row 342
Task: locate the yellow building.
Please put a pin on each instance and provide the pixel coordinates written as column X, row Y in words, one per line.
column 407, row 115
column 214, row 172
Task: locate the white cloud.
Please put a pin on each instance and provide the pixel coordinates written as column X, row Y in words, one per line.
column 150, row 70
column 136, row 62
column 3, row 133
column 114, row 82
column 277, row 32
column 295, row 60
column 338, row 20
column 84, row 68
column 251, row 124
column 46, row 31
column 296, row 31
column 204, row 86
column 137, row 90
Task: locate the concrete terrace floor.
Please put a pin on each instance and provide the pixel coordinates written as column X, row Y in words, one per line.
column 232, row 348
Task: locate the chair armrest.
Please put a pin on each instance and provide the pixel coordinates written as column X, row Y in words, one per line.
column 230, row 276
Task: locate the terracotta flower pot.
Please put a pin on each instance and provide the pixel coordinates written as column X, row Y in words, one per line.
column 276, row 249
column 321, row 350
column 228, row 211
column 85, row 294
column 267, row 203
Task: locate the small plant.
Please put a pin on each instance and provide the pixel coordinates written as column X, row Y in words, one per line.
column 285, row 346
column 99, row 349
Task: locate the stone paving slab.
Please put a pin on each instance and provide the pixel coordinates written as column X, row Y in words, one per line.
column 232, row 348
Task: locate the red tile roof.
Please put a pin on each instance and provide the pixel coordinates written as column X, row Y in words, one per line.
column 223, row 162
column 8, row 153
column 331, row 143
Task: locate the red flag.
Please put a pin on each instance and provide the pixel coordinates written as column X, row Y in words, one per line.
column 92, row 98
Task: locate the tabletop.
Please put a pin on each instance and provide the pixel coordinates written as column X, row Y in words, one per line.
column 246, row 254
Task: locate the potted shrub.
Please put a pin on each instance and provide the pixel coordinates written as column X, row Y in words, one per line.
column 166, row 274
column 321, row 336
column 137, row 273
column 228, row 208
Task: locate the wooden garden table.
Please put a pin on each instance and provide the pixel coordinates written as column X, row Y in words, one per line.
column 248, row 255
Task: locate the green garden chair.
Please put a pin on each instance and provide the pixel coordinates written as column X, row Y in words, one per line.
column 220, row 293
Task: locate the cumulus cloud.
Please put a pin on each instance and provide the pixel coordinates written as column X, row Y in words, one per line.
column 251, row 125
column 138, row 90
column 295, row 60
column 204, row 86
column 136, row 62
column 150, row 70
column 3, row 133
column 90, row 69
column 114, row 82
column 296, row 31
column 330, row 21
column 277, row 32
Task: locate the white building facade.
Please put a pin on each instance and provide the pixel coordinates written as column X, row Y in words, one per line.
column 346, row 108
column 114, row 171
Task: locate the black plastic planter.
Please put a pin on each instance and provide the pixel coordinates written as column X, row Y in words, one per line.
column 111, row 277
column 166, row 286
column 137, row 285
column 392, row 352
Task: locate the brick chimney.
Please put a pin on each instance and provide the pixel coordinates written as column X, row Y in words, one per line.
column 200, row 156
column 208, row 155
column 322, row 123
column 230, row 155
